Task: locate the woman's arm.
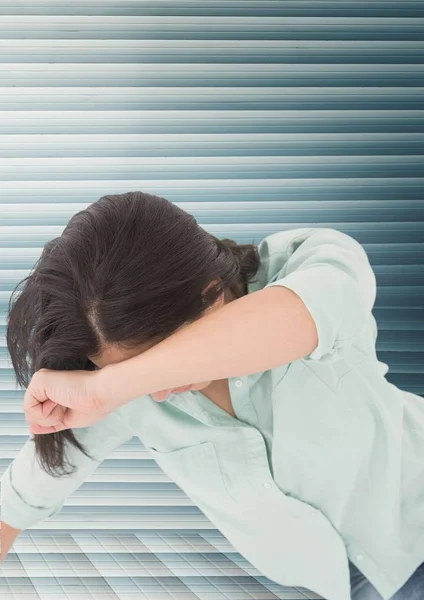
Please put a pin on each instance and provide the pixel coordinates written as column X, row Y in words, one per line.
column 325, row 289
column 254, row 333
column 30, row 495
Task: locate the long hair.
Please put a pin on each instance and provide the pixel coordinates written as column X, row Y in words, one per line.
column 130, row 269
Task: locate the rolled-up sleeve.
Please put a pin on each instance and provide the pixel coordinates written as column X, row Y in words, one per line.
column 29, row 495
column 331, row 273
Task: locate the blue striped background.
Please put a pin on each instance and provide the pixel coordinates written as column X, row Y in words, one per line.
column 254, row 116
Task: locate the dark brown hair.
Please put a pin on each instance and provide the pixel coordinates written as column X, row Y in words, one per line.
column 129, row 269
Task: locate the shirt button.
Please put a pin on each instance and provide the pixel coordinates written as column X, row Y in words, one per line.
column 267, row 484
column 360, row 557
column 239, row 383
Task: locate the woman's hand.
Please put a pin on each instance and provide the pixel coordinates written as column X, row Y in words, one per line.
column 58, row 400
column 8, row 535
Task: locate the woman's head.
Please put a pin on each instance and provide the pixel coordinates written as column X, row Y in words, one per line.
column 112, row 354
column 127, row 272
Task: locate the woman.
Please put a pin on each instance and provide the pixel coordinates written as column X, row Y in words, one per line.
column 290, row 439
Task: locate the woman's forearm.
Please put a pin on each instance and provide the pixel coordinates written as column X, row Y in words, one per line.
column 254, row 333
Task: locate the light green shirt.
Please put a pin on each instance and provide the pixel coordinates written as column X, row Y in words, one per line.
column 324, row 462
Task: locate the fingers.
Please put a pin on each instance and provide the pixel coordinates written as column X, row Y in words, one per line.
column 67, row 419
column 35, row 410
column 47, row 422
column 48, row 425
column 49, row 408
column 35, row 392
column 38, row 429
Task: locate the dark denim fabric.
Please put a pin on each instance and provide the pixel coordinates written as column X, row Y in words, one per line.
column 361, row 588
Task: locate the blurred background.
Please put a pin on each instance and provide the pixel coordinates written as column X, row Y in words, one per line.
column 253, row 115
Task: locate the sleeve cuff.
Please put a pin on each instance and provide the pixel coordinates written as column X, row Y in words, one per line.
column 16, row 512
column 334, row 301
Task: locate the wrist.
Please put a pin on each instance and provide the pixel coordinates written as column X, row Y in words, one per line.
column 108, row 395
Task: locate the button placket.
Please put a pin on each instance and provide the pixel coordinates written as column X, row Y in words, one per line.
column 258, row 460
column 258, row 466
column 241, row 401
column 236, row 398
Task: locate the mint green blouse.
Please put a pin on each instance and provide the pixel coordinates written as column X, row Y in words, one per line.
column 324, row 462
